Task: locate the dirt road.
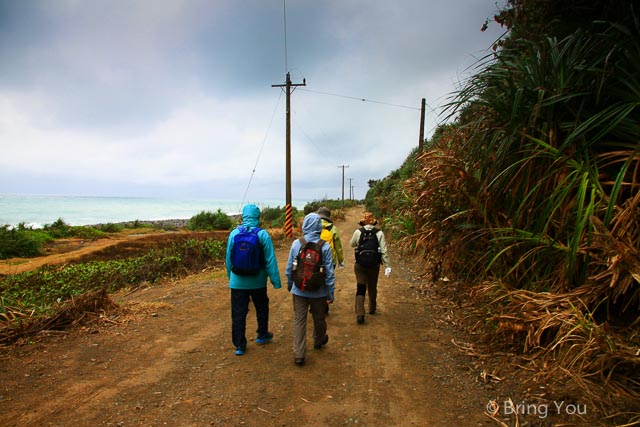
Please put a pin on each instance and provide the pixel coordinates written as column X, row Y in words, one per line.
column 168, row 360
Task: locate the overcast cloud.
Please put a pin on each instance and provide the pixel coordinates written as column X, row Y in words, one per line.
column 174, row 98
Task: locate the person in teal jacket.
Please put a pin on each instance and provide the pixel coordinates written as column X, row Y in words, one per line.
column 314, row 301
column 252, row 287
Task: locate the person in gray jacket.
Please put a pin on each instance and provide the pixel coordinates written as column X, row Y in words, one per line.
column 314, row 301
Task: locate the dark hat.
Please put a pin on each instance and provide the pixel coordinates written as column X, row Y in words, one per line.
column 324, row 213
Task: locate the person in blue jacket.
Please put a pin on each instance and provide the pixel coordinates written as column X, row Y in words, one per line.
column 252, row 287
column 313, row 301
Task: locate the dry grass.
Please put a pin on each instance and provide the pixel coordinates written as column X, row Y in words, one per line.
column 23, row 326
column 599, row 359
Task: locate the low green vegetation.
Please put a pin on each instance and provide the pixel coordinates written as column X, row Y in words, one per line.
column 27, row 298
column 31, row 295
column 209, row 221
column 21, row 241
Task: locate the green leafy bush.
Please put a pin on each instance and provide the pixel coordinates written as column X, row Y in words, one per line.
column 112, row 228
column 18, row 242
column 206, row 220
column 59, row 229
column 275, row 217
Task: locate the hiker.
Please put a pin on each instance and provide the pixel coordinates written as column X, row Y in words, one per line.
column 370, row 251
column 310, row 279
column 250, row 259
column 331, row 235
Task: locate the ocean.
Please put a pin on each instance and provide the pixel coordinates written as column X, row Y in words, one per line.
column 38, row 210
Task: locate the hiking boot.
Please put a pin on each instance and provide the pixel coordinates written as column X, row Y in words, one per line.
column 322, row 342
column 299, row 361
column 265, row 338
column 361, row 319
column 240, row 351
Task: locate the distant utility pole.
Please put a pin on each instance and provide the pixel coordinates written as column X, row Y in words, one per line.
column 350, row 189
column 343, row 166
column 288, row 222
column 421, row 141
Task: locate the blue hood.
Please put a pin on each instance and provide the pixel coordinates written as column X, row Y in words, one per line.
column 312, row 227
column 250, row 216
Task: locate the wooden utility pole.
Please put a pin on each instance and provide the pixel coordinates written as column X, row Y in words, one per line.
column 421, row 141
column 288, row 222
column 343, row 166
column 350, row 189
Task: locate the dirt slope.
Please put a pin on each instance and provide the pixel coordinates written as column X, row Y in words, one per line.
column 168, row 360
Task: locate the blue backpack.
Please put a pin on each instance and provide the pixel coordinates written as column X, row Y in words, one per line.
column 246, row 252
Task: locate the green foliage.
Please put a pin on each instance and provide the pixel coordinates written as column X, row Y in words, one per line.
column 19, row 242
column 334, row 205
column 533, row 189
column 276, row 217
column 59, row 229
column 386, row 195
column 206, row 220
column 114, row 228
column 40, row 289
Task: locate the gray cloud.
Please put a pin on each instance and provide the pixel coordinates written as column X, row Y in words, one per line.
column 171, row 98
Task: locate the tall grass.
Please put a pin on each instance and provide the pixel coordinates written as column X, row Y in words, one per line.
column 532, row 193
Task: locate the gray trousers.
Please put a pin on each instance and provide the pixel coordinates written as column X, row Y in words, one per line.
column 301, row 307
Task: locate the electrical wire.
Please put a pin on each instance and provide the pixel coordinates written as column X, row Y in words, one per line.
column 360, row 99
column 273, row 115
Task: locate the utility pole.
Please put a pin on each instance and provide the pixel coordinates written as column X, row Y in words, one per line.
column 288, row 222
column 343, row 166
column 350, row 189
column 421, row 141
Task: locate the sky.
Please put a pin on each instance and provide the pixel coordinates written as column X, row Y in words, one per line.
column 159, row 98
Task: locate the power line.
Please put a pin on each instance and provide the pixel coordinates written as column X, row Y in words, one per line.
column 361, row 99
column 261, row 148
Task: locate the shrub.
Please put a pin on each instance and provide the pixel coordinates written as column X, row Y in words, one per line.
column 112, row 228
column 18, row 242
column 59, row 229
column 275, row 217
column 206, row 220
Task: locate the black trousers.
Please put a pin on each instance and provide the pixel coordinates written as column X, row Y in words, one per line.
column 240, row 307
